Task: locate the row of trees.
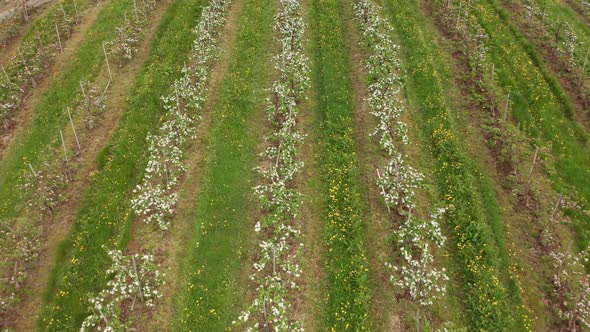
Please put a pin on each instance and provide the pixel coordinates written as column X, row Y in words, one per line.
column 137, row 277
column 413, row 269
column 573, row 52
column 155, row 197
column 277, row 269
column 13, row 21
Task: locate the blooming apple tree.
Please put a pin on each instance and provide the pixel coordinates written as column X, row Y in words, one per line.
column 155, row 197
column 135, row 278
column 276, row 269
column 415, row 271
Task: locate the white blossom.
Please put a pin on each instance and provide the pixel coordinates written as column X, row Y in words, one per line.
column 276, row 269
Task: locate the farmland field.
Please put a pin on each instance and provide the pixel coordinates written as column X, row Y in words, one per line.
column 292, row 165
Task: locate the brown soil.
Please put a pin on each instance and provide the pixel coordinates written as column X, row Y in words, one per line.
column 92, row 143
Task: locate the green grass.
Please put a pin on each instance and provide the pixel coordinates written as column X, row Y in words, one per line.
column 50, row 115
column 489, row 293
column 541, row 106
column 347, row 291
column 105, row 216
column 211, row 288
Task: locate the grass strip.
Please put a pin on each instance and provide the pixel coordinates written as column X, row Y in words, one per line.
column 210, row 292
column 490, row 294
column 347, row 292
column 105, row 216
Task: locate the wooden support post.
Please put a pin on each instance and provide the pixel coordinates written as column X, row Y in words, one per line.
column 32, row 170
column 15, row 276
column 58, row 38
column 6, row 75
column 77, row 12
column 383, row 191
column 74, row 129
column 137, row 278
column 105, row 90
column 82, row 88
column 107, row 60
column 505, row 117
column 63, row 143
column 40, row 41
column 265, row 316
column 459, row 14
column 103, row 317
column 135, row 9
column 532, row 167
column 557, row 204
column 585, row 62
column 25, row 11
column 274, row 261
column 493, row 71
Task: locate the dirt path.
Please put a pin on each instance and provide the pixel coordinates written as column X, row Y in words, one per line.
column 93, row 142
column 310, row 303
column 172, row 245
column 26, row 112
